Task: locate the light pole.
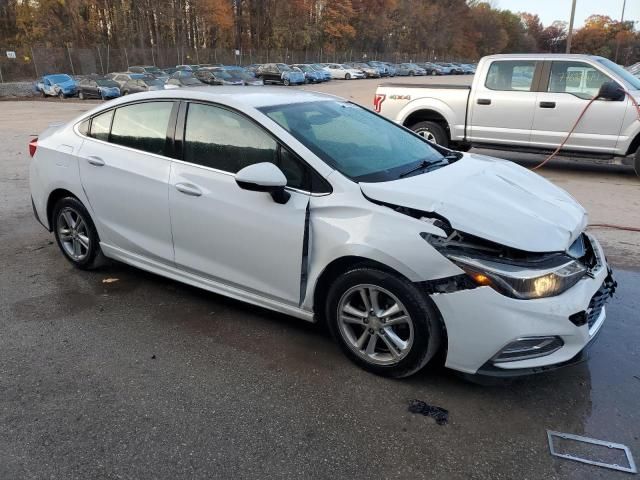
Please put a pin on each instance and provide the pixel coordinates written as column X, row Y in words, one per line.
column 573, row 14
column 624, row 4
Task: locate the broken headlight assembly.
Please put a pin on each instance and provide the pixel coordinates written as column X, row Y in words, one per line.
column 521, row 282
column 514, row 273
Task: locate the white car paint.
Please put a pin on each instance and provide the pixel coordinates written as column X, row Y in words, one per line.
column 340, row 71
column 242, row 244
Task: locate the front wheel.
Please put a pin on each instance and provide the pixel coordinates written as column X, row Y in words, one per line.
column 636, row 162
column 61, row 95
column 431, row 131
column 76, row 234
column 347, row 76
column 286, row 82
column 383, row 322
column 81, row 95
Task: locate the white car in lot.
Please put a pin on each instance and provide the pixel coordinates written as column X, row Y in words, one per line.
column 345, row 72
column 318, row 208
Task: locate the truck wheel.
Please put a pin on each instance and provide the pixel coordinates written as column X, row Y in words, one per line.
column 431, row 131
column 636, row 162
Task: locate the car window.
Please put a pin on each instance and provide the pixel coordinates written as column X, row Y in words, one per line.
column 100, row 126
column 224, row 140
column 577, row 78
column 142, row 126
column 355, row 141
column 513, row 75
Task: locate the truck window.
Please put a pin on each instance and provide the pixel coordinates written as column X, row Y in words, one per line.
column 577, row 78
column 512, row 75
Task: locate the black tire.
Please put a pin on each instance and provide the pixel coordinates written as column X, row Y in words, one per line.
column 286, row 82
column 44, row 95
column 437, row 130
column 411, row 73
column 61, row 95
column 347, row 76
column 94, row 257
column 427, row 327
column 636, row 162
column 81, row 95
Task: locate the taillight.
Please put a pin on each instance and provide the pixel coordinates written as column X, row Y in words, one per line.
column 33, row 145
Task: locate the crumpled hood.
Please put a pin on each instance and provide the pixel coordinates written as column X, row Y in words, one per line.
column 493, row 199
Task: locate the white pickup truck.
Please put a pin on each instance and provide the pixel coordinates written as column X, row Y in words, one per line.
column 527, row 102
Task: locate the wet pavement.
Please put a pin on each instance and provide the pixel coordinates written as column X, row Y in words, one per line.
column 146, row 378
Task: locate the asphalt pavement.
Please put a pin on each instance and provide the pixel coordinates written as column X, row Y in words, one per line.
column 121, row 374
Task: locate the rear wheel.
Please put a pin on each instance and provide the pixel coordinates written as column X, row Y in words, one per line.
column 286, row 82
column 81, row 95
column 432, row 131
column 382, row 322
column 411, row 73
column 76, row 234
column 347, row 76
column 636, row 162
column 61, row 95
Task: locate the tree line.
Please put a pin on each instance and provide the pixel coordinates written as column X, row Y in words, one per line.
column 464, row 29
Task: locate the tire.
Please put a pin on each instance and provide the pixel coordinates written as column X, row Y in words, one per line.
column 61, row 95
column 286, row 82
column 44, row 95
column 434, row 73
column 636, row 162
column 70, row 215
column 417, row 323
column 126, row 92
column 411, row 73
column 347, row 76
column 432, row 131
column 81, row 95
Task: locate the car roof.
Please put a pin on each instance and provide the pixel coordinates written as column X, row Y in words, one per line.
column 543, row 56
column 252, row 97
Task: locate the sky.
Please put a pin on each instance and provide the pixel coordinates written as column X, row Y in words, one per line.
column 550, row 10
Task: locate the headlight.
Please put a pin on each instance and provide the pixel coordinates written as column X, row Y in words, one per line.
column 521, row 282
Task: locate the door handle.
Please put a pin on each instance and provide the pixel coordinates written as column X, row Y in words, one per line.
column 188, row 189
column 484, row 101
column 96, row 161
column 547, row 104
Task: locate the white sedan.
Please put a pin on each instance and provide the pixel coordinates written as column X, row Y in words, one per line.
column 345, row 72
column 318, row 208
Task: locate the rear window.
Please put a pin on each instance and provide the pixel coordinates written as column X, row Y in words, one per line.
column 142, row 126
column 100, row 126
column 510, row 75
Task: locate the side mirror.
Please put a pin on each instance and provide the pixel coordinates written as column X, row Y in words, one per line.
column 611, row 91
column 264, row 177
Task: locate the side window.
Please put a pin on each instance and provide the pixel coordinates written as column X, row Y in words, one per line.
column 217, row 138
column 100, row 126
column 516, row 75
column 83, row 128
column 142, row 126
column 577, row 78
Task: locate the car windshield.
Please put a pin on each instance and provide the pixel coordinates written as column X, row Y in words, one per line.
column 305, row 68
column 153, row 82
column 59, row 78
column 631, row 81
column 358, row 143
column 107, row 83
column 190, row 81
column 284, row 68
column 222, row 74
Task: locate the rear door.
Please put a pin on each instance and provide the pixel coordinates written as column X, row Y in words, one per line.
column 567, row 87
column 241, row 238
column 501, row 109
column 124, row 170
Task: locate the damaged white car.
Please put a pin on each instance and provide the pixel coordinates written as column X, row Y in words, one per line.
column 315, row 207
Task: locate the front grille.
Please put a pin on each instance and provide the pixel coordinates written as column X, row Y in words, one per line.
column 599, row 299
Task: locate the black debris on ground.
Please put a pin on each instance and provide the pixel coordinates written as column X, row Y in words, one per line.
column 440, row 415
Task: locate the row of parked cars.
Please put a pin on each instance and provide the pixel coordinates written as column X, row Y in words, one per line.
column 146, row 78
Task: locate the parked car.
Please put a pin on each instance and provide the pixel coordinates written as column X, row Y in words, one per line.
column 253, row 68
column 392, row 69
column 368, row 70
column 191, row 67
column 464, row 69
column 447, row 68
column 311, row 75
column 327, row 212
column 247, row 76
column 183, row 78
column 340, row 71
column 149, row 70
column 170, row 71
column 280, row 73
column 401, row 70
column 124, row 77
column 57, row 85
column 321, row 68
column 145, row 84
column 432, row 68
column 528, row 102
column 383, row 68
column 218, row 76
column 414, row 69
column 98, row 87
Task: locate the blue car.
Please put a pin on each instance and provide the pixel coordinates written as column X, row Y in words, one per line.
column 311, row 75
column 57, row 85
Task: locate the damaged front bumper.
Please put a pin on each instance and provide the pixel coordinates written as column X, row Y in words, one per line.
column 483, row 324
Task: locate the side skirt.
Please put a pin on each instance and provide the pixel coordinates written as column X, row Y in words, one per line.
column 204, row 283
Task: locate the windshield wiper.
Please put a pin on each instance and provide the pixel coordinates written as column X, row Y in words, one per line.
column 433, row 163
column 420, row 166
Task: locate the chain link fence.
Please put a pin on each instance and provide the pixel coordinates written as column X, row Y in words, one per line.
column 32, row 62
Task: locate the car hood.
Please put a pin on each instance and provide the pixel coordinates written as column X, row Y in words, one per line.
column 493, row 199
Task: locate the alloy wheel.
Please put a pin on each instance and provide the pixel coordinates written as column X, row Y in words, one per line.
column 426, row 134
column 73, row 234
column 375, row 324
